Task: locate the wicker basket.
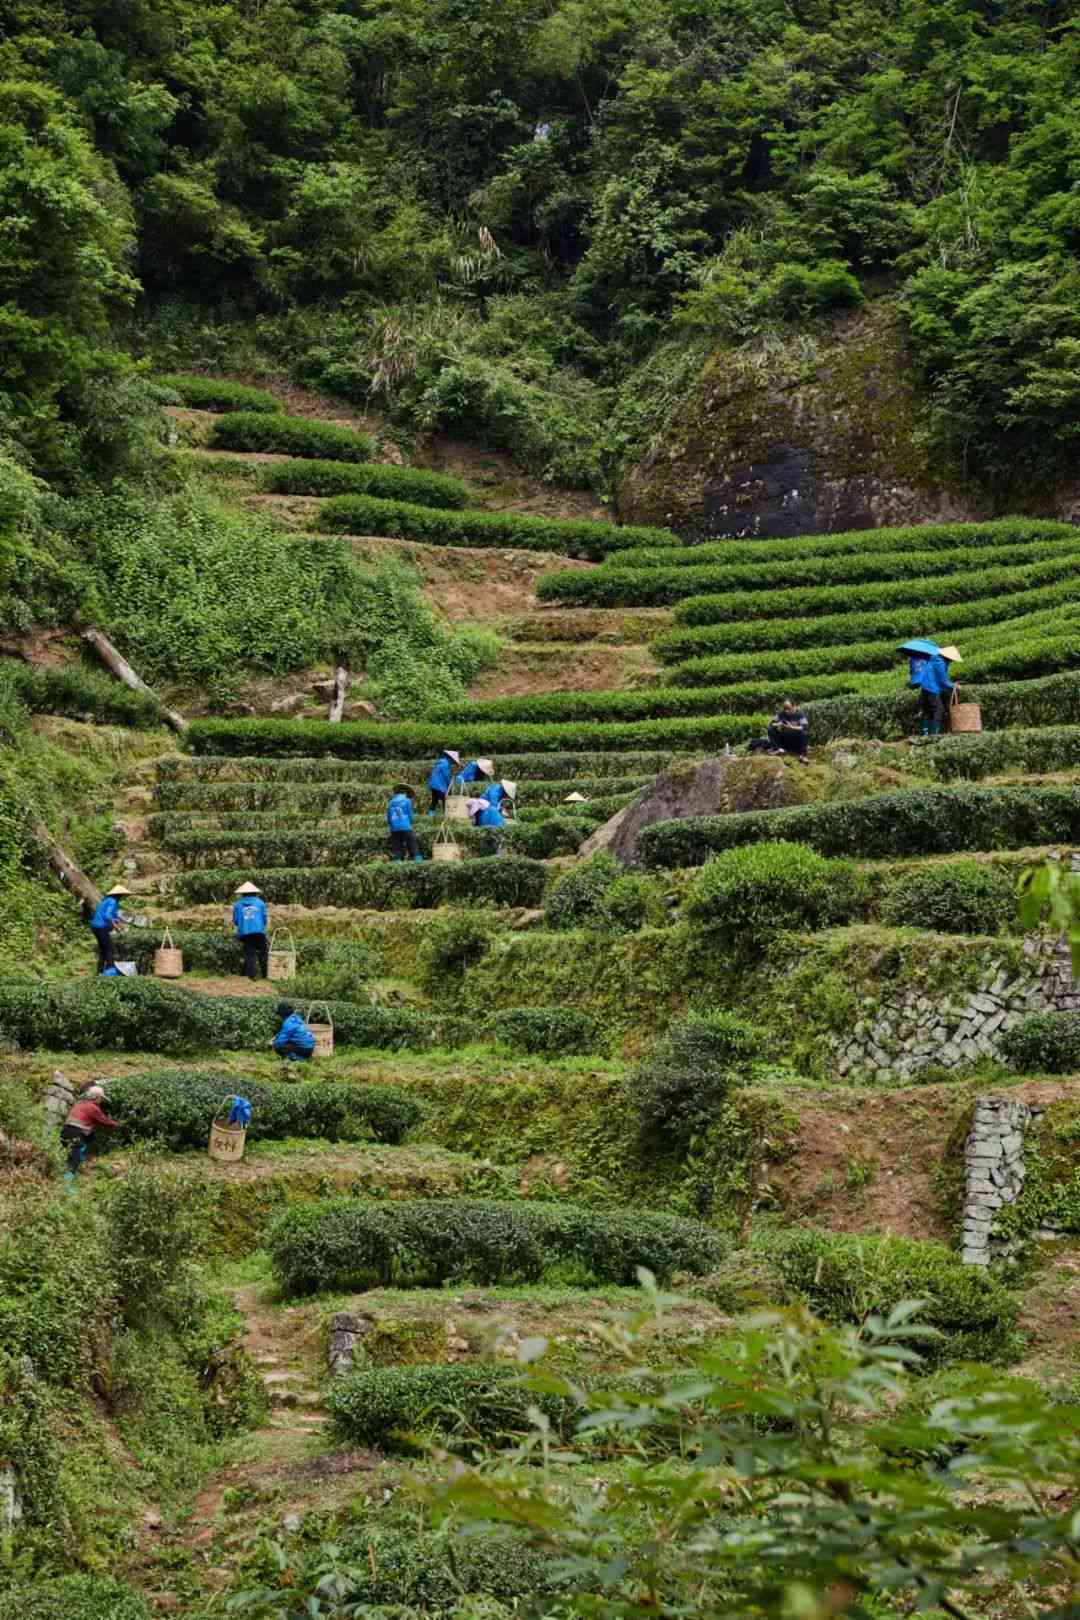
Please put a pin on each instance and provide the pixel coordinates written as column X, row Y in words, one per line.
column 444, row 846
column 281, row 959
column 323, row 1032
column 964, row 716
column 456, row 807
column 227, row 1141
column 168, row 961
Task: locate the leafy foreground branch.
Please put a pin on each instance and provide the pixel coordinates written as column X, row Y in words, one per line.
column 794, row 1472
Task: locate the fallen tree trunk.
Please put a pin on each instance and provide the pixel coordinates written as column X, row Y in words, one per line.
column 124, row 672
column 341, row 681
column 62, row 864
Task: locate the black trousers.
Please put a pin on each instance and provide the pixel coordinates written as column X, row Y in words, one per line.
column 292, row 1053
column 256, row 955
column 105, row 956
column 438, row 801
column 403, row 845
column 792, row 742
column 77, row 1143
column 932, row 707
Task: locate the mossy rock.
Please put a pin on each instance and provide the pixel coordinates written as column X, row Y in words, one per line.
column 815, row 435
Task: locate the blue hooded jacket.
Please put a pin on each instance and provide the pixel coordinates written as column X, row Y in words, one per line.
column 489, row 818
column 915, row 665
column 934, row 676
column 495, row 794
column 439, row 780
column 249, row 915
column 469, row 773
column 107, row 912
column 294, row 1032
column 399, row 813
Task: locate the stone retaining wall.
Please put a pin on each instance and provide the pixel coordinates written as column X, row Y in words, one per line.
column 993, row 1172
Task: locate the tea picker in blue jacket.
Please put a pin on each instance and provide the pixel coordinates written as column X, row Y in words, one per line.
column 501, row 794
column 107, row 920
column 440, row 779
column 293, row 1040
column 935, row 690
column 399, row 821
column 484, row 814
column 249, row 921
column 477, row 770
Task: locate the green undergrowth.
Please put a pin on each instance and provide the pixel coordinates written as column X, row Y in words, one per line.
column 1050, row 1198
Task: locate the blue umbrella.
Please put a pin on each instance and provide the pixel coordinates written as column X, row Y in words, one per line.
column 927, row 647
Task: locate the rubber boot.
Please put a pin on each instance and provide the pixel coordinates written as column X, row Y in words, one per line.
column 934, row 729
column 418, row 857
column 69, row 1183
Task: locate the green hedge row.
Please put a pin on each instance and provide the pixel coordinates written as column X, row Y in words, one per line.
column 177, row 1109
column 290, row 436
column 837, row 629
column 143, row 1015
column 1051, row 748
column 572, row 537
column 651, row 702
column 366, row 739
column 547, row 1031
column 217, row 394
column 540, row 840
column 365, row 478
column 1047, row 1043
column 1010, row 703
column 182, row 772
column 968, row 538
column 391, row 1407
column 509, row 880
column 72, row 1597
column 922, row 821
column 79, row 692
column 345, row 1244
column 847, row 1278
column 764, row 590
column 312, row 808
column 216, row 951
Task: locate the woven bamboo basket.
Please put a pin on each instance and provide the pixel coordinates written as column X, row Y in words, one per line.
column 227, row 1141
column 456, row 809
column 964, row 716
column 323, row 1032
column 168, row 961
column 281, row 959
column 444, row 846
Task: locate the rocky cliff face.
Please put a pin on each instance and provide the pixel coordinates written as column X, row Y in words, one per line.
column 812, row 434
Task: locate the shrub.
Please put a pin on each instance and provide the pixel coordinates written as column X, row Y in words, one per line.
column 82, row 693
column 176, row 1108
column 216, row 394
column 341, row 964
column 345, row 1244
column 389, row 1406
column 547, row 1031
column 687, row 1077
column 330, row 790
column 855, row 626
column 849, row 1278
column 290, row 436
column 57, row 1292
column 453, row 943
column 73, row 1597
column 575, row 897
column 572, row 537
column 509, row 880
column 1011, row 703
column 132, row 1015
column 717, row 600
column 207, row 770
column 364, row 739
column 1047, row 1043
column 956, row 897
column 631, row 902
column 745, row 897
column 410, row 484
column 336, row 846
column 650, row 702
column 1049, row 748
column 394, row 1566
column 920, row 821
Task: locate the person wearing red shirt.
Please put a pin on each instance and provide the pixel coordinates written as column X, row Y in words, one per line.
column 78, row 1129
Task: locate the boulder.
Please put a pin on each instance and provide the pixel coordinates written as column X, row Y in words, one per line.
column 714, row 787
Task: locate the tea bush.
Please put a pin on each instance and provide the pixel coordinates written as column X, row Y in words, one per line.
column 452, row 943
column 1049, row 748
column 388, row 483
column 176, row 1108
column 205, row 770
column 317, row 798
column 552, row 834
column 132, row 1015
column 73, row 1597
column 1046, row 1043
column 918, row 821
column 631, row 902
column 687, row 1077
column 547, row 1031
column 290, row 436
column 954, row 897
column 576, row 896
column 217, row 394
column 848, row 1278
column 345, row 1244
column 744, row 897
column 57, row 1291
column 509, row 880
column 81, row 693
column 651, row 702
column 389, row 1407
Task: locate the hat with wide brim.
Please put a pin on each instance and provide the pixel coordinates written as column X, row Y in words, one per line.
column 452, row 753
column 473, row 806
column 575, row 798
column 487, row 766
column 918, row 646
column 951, row 655
column 248, row 888
column 118, row 889
column 403, row 787
column 509, row 788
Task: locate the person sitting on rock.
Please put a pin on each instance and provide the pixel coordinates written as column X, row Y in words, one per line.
column 293, row 1041
column 789, row 731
